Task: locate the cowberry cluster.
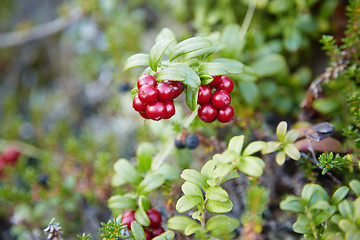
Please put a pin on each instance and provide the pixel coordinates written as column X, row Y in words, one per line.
column 153, row 230
column 156, row 100
column 9, row 156
column 214, row 99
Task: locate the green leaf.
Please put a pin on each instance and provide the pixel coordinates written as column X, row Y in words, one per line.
column 355, row 187
column 137, row 60
column 281, row 131
column 168, row 171
column 165, row 34
column 121, row 202
column 236, row 144
column 168, row 235
column 270, row 65
column 223, row 169
column 204, row 52
column 180, row 72
column 144, row 155
column 231, row 175
column 280, row 157
column 117, row 181
column 249, row 75
column 192, row 228
column 127, row 171
column 219, row 207
column 346, row 225
column 291, row 136
column 292, row 151
column 212, row 69
column 137, row 231
column 228, row 156
column 346, row 208
column 208, row 169
column 157, row 52
column 302, row 225
column 191, row 95
column 354, row 234
column 141, row 217
column 324, row 215
column 320, row 204
column 252, row 166
column 309, row 189
column 254, row 147
column 222, row 221
column 293, row 204
column 144, row 203
column 206, row 79
column 230, row 38
column 232, row 66
column 187, row 202
column 292, row 38
column 326, row 105
column 189, row 188
column 339, row 195
column 272, row 146
column 217, row 193
column 190, row 45
column 151, row 182
column 357, row 210
column 179, row 223
column 250, row 92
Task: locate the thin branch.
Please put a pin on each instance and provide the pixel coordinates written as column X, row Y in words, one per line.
column 21, row 37
column 247, row 20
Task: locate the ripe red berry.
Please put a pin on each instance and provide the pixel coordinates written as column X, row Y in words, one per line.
column 155, row 218
column 165, row 91
column 225, row 115
column 138, row 105
column 204, row 94
column 146, row 80
column 207, row 112
column 226, row 84
column 10, row 155
column 127, row 218
column 148, row 235
column 156, row 110
column 147, row 94
column 221, row 99
column 144, row 115
column 170, row 109
column 157, row 231
column 177, row 88
column 215, row 81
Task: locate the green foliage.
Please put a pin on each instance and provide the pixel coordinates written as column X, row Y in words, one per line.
column 328, row 162
column 112, row 229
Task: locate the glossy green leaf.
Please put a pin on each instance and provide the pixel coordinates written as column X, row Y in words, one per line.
column 346, row 208
column 231, row 175
column 189, row 188
column 228, row 156
column 346, row 225
column 236, row 144
column 292, row 151
column 191, row 95
column 165, row 34
column 195, row 177
column 127, row 171
column 339, row 195
column 223, row 169
column 252, row 166
column 222, row 221
column 291, row 136
column 208, row 169
column 157, row 52
column 141, row 217
column 254, row 147
column 204, row 52
column 144, row 155
column 144, row 203
column 190, row 45
column 179, row 223
column 217, row 193
column 137, row 60
column 151, row 182
column 219, row 207
column 121, row 202
column 180, row 72
column 324, row 215
column 280, row 158
column 232, row 66
column 309, row 189
column 137, row 231
column 168, row 235
column 302, row 225
column 206, row 79
column 355, row 187
column 270, row 65
column 320, row 204
column 212, row 69
column 293, row 204
column 187, row 202
column 281, row 131
column 192, row 228
column 272, row 146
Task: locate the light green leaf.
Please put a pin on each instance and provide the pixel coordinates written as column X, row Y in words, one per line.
column 292, row 151
column 357, row 210
column 270, row 65
column 291, row 136
column 355, row 187
column 204, row 52
column 144, row 155
column 293, row 204
column 212, row 69
column 254, row 147
column 144, row 203
column 252, row 166
column 219, row 207
column 191, row 95
column 232, row 66
column 151, row 182
column 321, row 204
column 222, row 221
column 179, row 223
column 217, row 193
column 206, row 79
column 157, row 52
column 187, row 202
column 309, row 189
column 250, row 92
column 346, row 208
column 280, row 158
column 127, row 171
column 248, row 75
column 192, row 228
column 171, row 73
column 190, row 45
column 230, row 38
column 324, row 215
column 208, row 169
column 141, row 217
column 281, row 131
column 339, row 195
column 223, row 169
column 272, row 146
column 168, row 171
column 236, row 144
column 137, row 60
column 231, row 175
column 195, row 177
column 302, row 225
column 121, row 202
column 189, row 188
column 228, row 156
column 346, row 225
column 168, row 235
column 137, row 231
column 117, row 181
column 196, row 215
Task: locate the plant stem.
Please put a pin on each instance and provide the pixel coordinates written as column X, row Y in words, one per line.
column 247, row 20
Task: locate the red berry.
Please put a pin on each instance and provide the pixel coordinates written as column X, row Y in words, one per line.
column 147, row 94
column 128, row 218
column 157, row 231
column 204, row 94
column 165, row 91
column 156, row 110
column 177, row 88
column 144, row 115
column 207, row 112
column 138, row 105
column 155, row 218
column 226, row 84
column 170, row 109
column 221, row 99
column 146, row 80
column 10, row 155
column 148, row 235
column 225, row 115
column 215, row 81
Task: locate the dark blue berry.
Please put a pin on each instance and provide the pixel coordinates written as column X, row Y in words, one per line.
column 191, row 141
column 124, row 87
column 179, row 143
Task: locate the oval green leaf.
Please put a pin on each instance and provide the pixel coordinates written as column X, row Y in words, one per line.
column 136, row 60
column 157, row 52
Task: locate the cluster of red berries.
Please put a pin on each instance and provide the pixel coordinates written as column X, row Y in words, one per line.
column 151, row 231
column 156, row 100
column 214, row 99
column 9, row 156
